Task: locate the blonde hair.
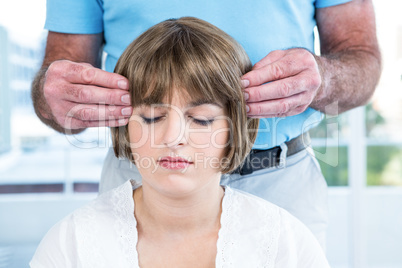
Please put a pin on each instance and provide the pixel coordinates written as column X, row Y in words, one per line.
column 195, row 56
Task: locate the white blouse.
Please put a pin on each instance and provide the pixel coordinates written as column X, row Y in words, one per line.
column 254, row 233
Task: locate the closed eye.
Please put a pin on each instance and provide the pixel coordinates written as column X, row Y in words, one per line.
column 202, row 122
column 148, row 121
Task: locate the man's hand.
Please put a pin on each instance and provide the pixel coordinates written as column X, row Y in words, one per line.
column 346, row 73
column 80, row 96
column 70, row 93
column 283, row 83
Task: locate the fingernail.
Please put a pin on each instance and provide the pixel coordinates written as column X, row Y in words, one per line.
column 245, row 83
column 125, row 99
column 246, row 96
column 122, row 84
column 122, row 121
column 247, row 108
column 126, row 111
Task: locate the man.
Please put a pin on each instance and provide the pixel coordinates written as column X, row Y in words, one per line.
column 288, row 87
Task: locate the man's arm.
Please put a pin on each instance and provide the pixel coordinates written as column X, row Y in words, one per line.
column 71, row 93
column 346, row 73
column 350, row 61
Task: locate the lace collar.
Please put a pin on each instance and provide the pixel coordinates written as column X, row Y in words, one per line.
column 249, row 230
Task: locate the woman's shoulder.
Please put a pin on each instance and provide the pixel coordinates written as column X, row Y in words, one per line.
column 273, row 230
column 250, row 204
column 251, row 216
column 107, row 207
column 255, row 206
column 254, row 209
column 111, row 208
column 250, row 228
column 297, row 246
column 104, row 222
column 109, row 203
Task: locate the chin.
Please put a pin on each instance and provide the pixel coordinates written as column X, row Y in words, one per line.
column 180, row 184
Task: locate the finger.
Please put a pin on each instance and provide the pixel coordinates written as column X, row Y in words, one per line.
column 278, row 89
column 99, row 112
column 272, row 72
column 270, row 58
column 83, row 74
column 296, row 111
column 86, row 94
column 293, row 62
column 280, row 107
column 72, row 123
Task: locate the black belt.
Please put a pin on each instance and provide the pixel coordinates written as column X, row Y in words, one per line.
column 260, row 159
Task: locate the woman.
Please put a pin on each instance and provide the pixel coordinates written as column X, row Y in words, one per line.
column 188, row 127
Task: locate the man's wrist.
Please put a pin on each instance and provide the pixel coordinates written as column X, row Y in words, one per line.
column 321, row 92
column 41, row 108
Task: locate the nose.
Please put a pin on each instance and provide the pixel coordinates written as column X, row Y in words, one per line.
column 174, row 129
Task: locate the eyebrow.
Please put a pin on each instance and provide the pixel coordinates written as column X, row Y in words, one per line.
column 191, row 104
column 202, row 102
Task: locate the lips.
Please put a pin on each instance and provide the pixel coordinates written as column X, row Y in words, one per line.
column 174, row 163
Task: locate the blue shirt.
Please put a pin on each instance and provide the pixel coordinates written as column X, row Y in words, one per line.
column 260, row 26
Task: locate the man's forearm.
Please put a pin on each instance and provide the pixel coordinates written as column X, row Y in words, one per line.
column 348, row 78
column 350, row 61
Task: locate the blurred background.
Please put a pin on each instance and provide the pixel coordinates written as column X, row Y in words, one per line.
column 45, row 175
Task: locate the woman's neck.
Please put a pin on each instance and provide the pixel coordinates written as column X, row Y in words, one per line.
column 195, row 213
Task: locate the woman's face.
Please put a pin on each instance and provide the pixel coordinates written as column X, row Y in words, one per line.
column 178, row 147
